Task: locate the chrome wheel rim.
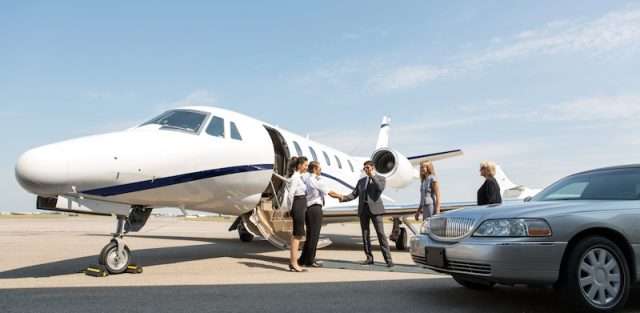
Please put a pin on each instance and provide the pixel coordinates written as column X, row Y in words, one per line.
column 115, row 261
column 599, row 277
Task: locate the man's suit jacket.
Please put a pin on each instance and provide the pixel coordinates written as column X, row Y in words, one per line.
column 376, row 207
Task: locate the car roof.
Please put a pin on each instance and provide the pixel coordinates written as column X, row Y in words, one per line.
column 609, row 168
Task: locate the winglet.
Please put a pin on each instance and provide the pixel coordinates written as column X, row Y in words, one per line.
column 383, row 135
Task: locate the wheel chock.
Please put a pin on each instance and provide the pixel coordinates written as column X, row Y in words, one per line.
column 134, row 269
column 96, row 271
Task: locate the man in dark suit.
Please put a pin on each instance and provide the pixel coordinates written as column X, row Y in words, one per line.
column 370, row 208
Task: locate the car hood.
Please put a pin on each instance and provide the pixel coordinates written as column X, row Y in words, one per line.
column 523, row 209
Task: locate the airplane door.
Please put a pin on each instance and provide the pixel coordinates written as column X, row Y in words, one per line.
column 281, row 162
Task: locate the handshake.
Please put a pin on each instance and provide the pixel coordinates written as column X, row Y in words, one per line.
column 336, row 195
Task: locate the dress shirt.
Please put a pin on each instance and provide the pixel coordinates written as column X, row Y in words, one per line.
column 316, row 189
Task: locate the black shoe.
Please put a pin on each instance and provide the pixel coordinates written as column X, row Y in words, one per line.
column 367, row 262
column 315, row 264
column 390, row 264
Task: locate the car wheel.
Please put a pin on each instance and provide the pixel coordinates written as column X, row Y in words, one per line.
column 597, row 277
column 473, row 283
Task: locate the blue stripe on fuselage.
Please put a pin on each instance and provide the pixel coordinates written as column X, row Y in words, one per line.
column 174, row 180
column 185, row 178
column 338, row 180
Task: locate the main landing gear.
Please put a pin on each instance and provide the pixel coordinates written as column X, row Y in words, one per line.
column 116, row 256
column 244, row 234
column 399, row 234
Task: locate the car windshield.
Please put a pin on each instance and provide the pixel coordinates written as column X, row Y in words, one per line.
column 615, row 184
column 189, row 121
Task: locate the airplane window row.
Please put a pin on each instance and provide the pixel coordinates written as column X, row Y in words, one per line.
column 216, row 128
column 314, row 156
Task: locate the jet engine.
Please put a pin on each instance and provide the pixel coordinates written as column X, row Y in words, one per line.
column 394, row 166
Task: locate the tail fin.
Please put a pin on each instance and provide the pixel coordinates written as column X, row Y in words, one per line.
column 504, row 181
column 383, row 135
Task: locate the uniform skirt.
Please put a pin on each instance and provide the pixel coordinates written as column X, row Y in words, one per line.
column 298, row 215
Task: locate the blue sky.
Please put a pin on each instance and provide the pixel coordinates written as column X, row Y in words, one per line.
column 544, row 88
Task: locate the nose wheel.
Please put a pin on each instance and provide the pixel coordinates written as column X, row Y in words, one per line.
column 116, row 256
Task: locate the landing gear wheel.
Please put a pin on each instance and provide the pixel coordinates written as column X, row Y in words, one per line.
column 401, row 241
column 597, row 277
column 114, row 263
column 245, row 235
column 473, row 284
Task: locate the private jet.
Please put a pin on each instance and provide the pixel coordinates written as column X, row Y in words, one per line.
column 203, row 159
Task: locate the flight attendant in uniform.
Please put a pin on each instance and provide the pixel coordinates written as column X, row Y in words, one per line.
column 316, row 192
column 298, row 191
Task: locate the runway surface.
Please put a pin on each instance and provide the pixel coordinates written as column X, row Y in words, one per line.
column 197, row 266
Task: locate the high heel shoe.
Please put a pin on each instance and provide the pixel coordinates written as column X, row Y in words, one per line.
column 293, row 269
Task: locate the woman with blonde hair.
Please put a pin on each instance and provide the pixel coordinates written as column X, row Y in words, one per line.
column 489, row 192
column 429, row 191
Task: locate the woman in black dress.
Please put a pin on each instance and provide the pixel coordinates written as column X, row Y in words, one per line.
column 297, row 197
column 489, row 192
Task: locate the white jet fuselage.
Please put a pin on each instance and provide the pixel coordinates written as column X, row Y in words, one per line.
column 155, row 166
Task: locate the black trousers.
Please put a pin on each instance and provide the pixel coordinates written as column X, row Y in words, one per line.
column 314, row 224
column 365, row 217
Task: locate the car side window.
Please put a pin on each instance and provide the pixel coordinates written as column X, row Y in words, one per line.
column 298, row 149
column 216, row 127
column 313, row 153
column 326, row 158
column 233, row 129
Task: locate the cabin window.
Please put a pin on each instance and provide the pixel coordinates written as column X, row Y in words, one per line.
column 313, row 153
column 298, row 149
column 326, row 158
column 216, row 127
column 235, row 134
column 350, row 165
column 338, row 161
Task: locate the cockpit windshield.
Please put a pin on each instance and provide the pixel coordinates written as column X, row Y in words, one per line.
column 185, row 120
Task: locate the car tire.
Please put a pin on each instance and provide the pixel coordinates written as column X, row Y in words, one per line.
column 473, row 283
column 596, row 262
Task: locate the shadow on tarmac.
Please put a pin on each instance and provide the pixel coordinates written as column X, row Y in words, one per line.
column 422, row 295
column 210, row 249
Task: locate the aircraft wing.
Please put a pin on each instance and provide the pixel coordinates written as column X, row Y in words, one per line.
column 415, row 160
column 342, row 213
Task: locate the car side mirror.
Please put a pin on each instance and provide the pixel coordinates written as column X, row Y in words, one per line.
column 527, row 199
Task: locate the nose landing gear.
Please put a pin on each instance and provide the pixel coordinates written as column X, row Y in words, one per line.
column 116, row 256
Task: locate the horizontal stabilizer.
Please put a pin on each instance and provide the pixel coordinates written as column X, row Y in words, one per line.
column 415, row 160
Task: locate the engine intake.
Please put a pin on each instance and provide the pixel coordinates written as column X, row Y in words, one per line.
column 394, row 166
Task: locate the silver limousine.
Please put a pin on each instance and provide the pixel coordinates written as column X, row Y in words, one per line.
column 580, row 235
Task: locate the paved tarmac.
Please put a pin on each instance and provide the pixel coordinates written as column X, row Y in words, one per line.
column 197, row 266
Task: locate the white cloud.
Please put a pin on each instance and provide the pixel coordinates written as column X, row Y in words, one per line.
column 611, row 108
column 407, row 76
column 615, row 31
column 197, row 97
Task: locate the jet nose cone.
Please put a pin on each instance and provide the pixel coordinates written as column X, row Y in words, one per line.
column 42, row 171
